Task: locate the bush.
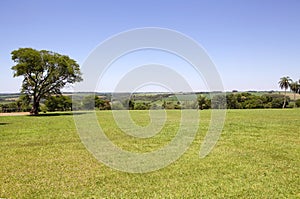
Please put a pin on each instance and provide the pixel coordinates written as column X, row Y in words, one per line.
column 297, row 103
column 203, row 102
column 141, row 106
column 102, row 104
column 58, row 103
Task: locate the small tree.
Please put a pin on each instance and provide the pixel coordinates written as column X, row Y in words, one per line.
column 45, row 73
column 284, row 83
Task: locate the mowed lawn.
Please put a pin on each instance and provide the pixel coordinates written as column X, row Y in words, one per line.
column 257, row 156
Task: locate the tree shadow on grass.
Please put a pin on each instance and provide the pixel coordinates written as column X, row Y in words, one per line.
column 3, row 123
column 57, row 114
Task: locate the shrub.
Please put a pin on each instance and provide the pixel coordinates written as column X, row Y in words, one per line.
column 58, row 103
column 297, row 103
column 141, row 106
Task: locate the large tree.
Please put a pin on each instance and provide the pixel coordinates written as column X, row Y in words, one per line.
column 284, row 83
column 45, row 73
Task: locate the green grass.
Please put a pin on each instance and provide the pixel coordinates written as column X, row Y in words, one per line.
column 257, row 156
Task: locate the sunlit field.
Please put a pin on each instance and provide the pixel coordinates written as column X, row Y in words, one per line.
column 257, row 156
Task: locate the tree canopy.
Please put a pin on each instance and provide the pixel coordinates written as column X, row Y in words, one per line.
column 284, row 83
column 45, row 73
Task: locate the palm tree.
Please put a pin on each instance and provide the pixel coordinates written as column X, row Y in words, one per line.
column 295, row 87
column 284, row 83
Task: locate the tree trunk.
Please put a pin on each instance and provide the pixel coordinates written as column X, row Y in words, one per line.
column 284, row 101
column 294, row 100
column 35, row 107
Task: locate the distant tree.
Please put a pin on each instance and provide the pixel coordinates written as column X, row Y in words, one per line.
column 98, row 102
column 218, row 102
column 128, row 103
column 25, row 101
column 203, row 102
column 254, row 102
column 45, row 73
column 232, row 101
column 164, row 104
column 131, row 105
column 295, row 87
column 284, row 83
column 142, row 106
column 89, row 102
column 4, row 108
column 277, row 100
column 102, row 104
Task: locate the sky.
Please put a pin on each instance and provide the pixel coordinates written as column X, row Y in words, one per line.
column 251, row 42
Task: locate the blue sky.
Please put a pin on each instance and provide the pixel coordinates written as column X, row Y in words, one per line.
column 252, row 42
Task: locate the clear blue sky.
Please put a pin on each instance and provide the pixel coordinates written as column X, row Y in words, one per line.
column 252, row 42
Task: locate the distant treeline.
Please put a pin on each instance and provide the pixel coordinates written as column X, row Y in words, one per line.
column 234, row 100
column 250, row 101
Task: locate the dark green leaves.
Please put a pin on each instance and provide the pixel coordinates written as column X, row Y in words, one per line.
column 44, row 72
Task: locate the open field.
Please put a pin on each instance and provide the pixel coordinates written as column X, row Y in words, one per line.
column 257, row 156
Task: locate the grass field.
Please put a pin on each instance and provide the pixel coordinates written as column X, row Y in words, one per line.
column 257, row 156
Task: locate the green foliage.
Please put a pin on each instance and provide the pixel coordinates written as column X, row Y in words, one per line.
column 128, row 103
column 164, row 104
column 43, row 108
column 169, row 105
column 102, row 104
column 10, row 107
column 203, row 102
column 193, row 104
column 45, row 73
column 88, row 102
column 58, row 103
column 117, row 105
column 249, row 101
column 284, row 83
column 19, row 105
column 297, row 102
column 295, row 87
column 245, row 100
column 141, row 106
